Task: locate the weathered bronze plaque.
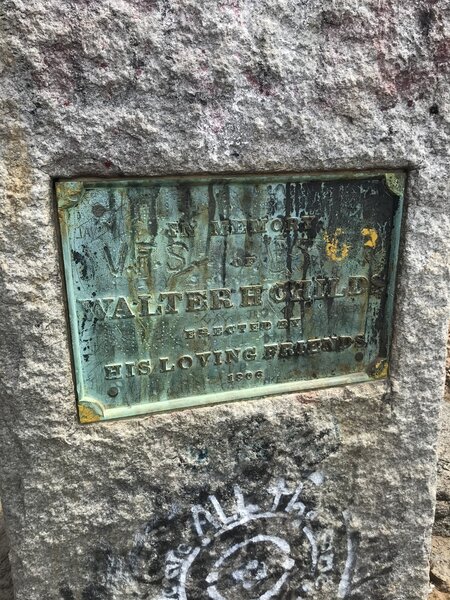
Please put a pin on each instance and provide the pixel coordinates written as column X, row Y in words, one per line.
column 191, row 291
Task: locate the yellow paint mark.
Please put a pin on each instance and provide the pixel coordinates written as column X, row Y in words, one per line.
column 69, row 188
column 17, row 183
column 381, row 370
column 68, row 193
column 87, row 415
column 336, row 250
column 371, row 235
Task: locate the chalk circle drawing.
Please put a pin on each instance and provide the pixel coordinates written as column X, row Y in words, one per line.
column 243, row 551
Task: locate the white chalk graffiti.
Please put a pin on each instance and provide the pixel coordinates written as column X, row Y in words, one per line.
column 246, row 551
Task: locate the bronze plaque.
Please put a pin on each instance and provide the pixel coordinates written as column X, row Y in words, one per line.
column 191, row 291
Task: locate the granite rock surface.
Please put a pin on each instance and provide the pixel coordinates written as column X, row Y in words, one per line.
column 440, row 551
column 442, row 518
column 326, row 494
column 6, row 587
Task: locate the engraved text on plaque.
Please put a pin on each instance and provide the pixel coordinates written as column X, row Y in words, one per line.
column 197, row 290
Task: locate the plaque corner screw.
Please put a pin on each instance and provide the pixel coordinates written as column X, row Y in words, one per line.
column 395, row 182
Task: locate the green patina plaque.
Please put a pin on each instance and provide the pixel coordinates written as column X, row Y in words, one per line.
column 194, row 290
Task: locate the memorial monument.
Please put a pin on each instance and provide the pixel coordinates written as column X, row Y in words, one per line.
column 225, row 292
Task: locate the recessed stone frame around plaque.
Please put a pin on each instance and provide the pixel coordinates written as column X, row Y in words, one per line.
column 188, row 291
